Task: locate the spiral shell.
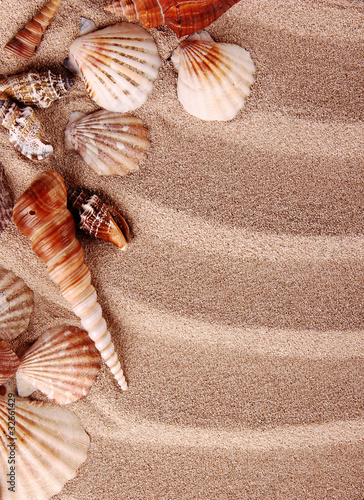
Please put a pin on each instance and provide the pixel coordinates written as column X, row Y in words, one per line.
column 41, row 88
column 6, row 205
column 47, row 444
column 63, row 363
column 182, row 16
column 95, row 218
column 214, row 79
column 9, row 362
column 16, row 305
column 110, row 143
column 41, row 214
column 118, row 65
column 25, row 130
column 24, row 44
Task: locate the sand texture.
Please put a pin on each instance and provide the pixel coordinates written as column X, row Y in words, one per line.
column 237, row 310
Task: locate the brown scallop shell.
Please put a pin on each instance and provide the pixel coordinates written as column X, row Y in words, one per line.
column 9, row 362
column 6, row 205
column 25, row 42
column 182, row 16
column 98, row 220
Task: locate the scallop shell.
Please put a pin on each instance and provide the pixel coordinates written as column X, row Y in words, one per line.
column 41, row 214
column 214, row 79
column 95, row 218
column 6, row 205
column 47, row 444
column 39, row 88
column 25, row 130
column 118, row 65
column 110, row 143
column 9, row 362
column 183, row 16
column 24, row 44
column 63, row 363
column 16, row 305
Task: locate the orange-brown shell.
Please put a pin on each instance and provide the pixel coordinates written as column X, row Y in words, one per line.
column 182, row 16
column 9, row 362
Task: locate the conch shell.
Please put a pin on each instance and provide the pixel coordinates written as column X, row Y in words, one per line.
column 41, row 214
column 182, row 16
column 24, row 44
column 25, row 130
column 41, row 88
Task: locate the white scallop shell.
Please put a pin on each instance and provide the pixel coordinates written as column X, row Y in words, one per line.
column 118, row 65
column 16, row 305
column 50, row 445
column 214, row 79
column 110, row 143
column 63, row 363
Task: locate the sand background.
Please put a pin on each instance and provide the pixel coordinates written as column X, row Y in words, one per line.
column 237, row 308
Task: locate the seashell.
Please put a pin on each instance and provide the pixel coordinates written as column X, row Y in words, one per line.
column 63, row 363
column 41, row 214
column 24, row 44
column 214, row 79
column 9, row 362
column 47, row 443
column 182, row 16
column 6, row 205
column 25, row 130
column 16, row 305
column 39, row 88
column 110, row 143
column 95, row 218
column 118, row 65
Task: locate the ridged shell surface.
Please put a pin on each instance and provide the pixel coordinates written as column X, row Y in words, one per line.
column 118, row 65
column 182, row 16
column 63, row 363
column 16, row 305
column 24, row 44
column 6, row 204
column 94, row 217
column 41, row 88
column 25, row 130
column 41, row 214
column 48, row 445
column 110, row 143
column 214, row 79
column 9, row 362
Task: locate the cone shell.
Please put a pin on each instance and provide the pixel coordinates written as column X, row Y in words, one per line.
column 110, row 143
column 47, row 443
column 25, row 130
column 41, row 214
column 63, row 363
column 16, row 305
column 182, row 16
column 9, row 362
column 24, row 44
column 6, row 205
column 118, row 65
column 39, row 88
column 214, row 79
column 95, row 218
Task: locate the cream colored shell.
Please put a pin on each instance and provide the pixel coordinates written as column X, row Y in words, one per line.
column 118, row 65
column 214, row 79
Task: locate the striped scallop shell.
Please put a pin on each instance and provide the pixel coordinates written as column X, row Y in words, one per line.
column 25, row 130
column 48, row 445
column 9, row 362
column 41, row 88
column 110, row 143
column 6, row 205
column 118, row 65
column 214, row 79
column 16, row 305
column 63, row 364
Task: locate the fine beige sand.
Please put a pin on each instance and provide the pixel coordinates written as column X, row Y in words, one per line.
column 237, row 310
